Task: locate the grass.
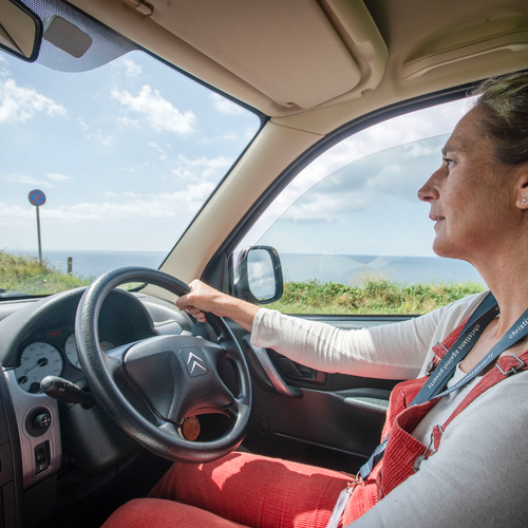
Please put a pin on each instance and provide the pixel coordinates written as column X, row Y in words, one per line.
column 373, row 296
column 23, row 274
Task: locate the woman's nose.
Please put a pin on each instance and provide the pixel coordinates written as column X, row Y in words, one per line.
column 428, row 192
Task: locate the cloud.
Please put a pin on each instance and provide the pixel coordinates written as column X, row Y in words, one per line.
column 83, row 124
column 132, row 69
column 18, row 104
column 162, row 205
column 394, row 174
column 231, row 136
column 14, row 215
column 156, row 147
column 250, row 132
column 407, row 128
column 106, row 141
column 4, row 67
column 53, row 176
column 201, row 168
column 27, row 180
column 135, row 168
column 158, row 112
column 225, row 106
column 127, row 122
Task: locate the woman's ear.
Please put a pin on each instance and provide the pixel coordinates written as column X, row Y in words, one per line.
column 521, row 187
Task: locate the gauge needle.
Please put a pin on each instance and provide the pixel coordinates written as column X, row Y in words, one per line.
column 42, row 362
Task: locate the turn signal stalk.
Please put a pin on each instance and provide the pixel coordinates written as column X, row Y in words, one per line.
column 66, row 391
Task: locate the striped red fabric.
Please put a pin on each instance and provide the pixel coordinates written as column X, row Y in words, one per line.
column 250, row 490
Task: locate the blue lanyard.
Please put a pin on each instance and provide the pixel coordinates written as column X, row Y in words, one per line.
column 477, row 323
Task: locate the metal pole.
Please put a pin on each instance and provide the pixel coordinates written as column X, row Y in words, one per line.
column 38, row 231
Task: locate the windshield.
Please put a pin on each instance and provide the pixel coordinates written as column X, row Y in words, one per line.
column 124, row 148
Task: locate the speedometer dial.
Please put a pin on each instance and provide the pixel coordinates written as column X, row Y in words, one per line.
column 106, row 346
column 38, row 360
column 71, row 351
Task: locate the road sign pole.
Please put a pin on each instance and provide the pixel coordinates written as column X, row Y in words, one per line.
column 38, row 198
column 38, row 231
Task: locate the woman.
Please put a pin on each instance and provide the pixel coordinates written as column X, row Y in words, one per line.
column 454, row 451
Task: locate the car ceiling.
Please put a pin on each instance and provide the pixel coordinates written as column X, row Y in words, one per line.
column 293, row 60
column 312, row 66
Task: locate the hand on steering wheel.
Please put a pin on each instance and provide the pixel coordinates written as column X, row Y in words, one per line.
column 173, row 376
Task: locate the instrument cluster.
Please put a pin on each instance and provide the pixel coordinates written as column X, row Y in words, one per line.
column 50, row 353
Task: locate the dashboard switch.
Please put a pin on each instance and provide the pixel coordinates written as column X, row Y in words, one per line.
column 42, row 421
column 42, row 457
column 38, row 421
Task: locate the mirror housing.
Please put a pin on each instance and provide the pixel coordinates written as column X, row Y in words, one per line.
column 258, row 276
column 20, row 30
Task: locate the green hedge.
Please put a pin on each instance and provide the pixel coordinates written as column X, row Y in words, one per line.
column 23, row 274
column 372, row 296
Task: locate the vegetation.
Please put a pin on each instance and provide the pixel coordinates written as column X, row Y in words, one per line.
column 372, row 296
column 23, row 274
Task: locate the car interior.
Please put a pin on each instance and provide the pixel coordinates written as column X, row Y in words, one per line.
column 122, row 409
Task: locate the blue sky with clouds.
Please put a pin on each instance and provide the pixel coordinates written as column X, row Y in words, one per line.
column 359, row 197
column 126, row 153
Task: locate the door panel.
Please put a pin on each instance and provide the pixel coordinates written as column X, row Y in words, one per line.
column 327, row 420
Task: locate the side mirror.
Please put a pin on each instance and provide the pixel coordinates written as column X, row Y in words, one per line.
column 20, row 30
column 258, row 277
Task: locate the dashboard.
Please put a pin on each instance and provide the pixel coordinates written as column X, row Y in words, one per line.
column 51, row 352
column 37, row 339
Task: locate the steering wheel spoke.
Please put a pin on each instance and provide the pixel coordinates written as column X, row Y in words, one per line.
column 113, row 360
column 236, row 408
column 175, row 376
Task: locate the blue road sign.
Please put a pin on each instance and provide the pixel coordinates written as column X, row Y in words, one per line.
column 37, row 197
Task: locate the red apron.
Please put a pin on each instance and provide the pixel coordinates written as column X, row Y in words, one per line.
column 404, row 453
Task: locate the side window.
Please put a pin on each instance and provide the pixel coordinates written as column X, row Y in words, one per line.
column 352, row 236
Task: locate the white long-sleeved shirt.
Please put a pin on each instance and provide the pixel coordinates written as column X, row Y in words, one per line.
column 479, row 476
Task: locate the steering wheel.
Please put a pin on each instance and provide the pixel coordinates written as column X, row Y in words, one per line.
column 172, row 376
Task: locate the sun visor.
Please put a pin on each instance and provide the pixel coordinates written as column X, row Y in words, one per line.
column 299, row 53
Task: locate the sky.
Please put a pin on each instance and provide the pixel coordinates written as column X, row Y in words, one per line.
column 359, row 197
column 128, row 152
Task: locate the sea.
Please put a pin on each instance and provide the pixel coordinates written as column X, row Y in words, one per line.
column 344, row 269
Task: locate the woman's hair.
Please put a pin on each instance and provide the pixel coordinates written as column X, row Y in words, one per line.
column 504, row 105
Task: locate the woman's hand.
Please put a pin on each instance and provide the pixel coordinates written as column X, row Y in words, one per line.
column 203, row 299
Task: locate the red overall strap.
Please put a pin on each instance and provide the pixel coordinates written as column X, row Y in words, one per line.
column 404, row 452
column 369, row 492
column 506, row 366
column 441, row 349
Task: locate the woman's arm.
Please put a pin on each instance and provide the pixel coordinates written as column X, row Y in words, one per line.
column 391, row 351
column 203, row 298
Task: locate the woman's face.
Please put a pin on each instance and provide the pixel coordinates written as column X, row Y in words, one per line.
column 471, row 195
